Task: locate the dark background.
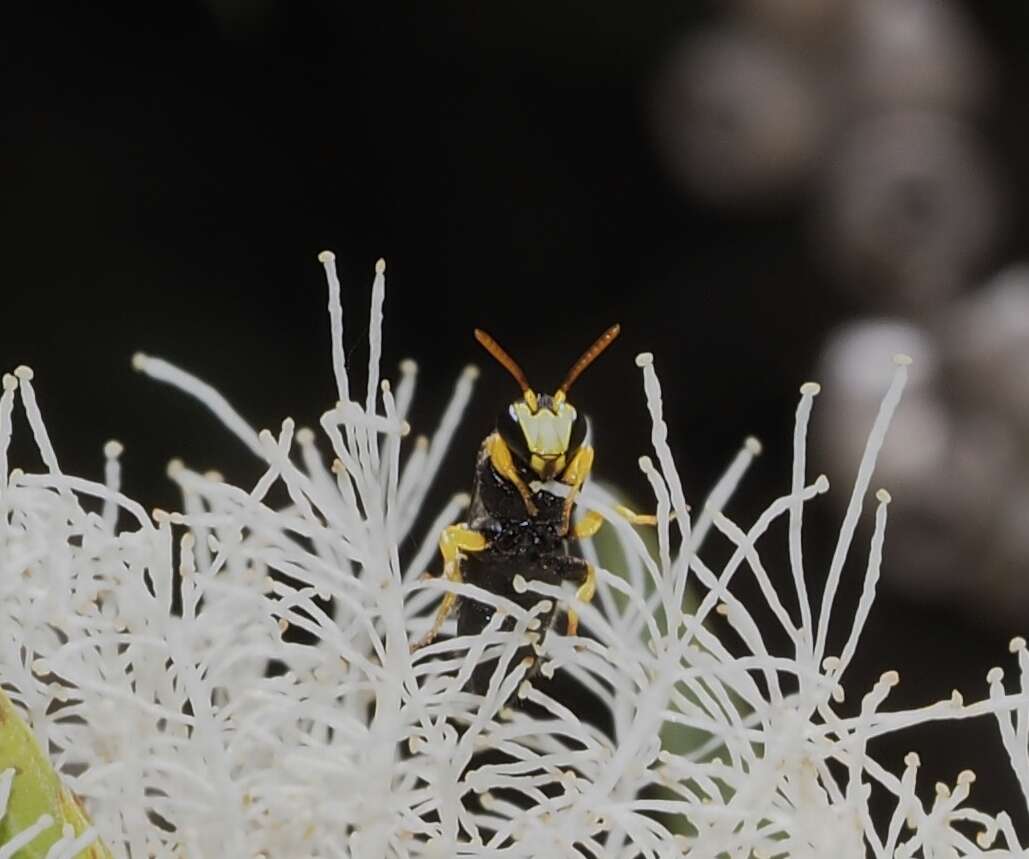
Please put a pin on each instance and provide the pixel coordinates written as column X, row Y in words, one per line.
column 171, row 170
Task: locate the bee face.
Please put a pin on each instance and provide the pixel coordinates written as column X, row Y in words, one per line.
column 541, row 431
column 544, row 438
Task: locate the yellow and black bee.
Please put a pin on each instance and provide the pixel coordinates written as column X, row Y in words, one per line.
column 516, row 525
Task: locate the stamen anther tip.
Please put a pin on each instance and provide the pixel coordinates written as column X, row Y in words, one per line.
column 810, row 389
column 326, row 257
column 113, row 449
column 902, row 360
column 644, row 359
column 24, row 373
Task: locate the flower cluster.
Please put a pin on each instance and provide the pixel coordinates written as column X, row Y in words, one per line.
column 236, row 679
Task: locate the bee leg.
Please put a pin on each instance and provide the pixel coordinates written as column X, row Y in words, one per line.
column 454, row 540
column 575, row 474
column 636, row 518
column 587, row 526
column 501, row 459
column 591, row 522
column 585, row 593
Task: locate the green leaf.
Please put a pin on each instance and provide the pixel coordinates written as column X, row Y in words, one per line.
column 37, row 790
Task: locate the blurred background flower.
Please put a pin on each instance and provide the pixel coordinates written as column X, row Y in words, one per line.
column 732, row 182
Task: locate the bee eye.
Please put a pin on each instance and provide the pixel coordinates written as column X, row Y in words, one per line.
column 511, row 432
column 580, row 430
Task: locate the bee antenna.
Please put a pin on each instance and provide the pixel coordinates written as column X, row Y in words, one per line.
column 589, row 356
column 497, row 351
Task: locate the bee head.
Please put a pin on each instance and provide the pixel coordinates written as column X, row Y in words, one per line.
column 542, row 431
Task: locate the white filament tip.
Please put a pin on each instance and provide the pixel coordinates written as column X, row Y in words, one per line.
column 160, row 516
column 883, row 496
column 305, row 435
column 645, row 463
column 470, row 372
column 380, row 266
column 405, row 428
column 821, row 483
column 519, row 583
column 326, row 257
column 957, row 699
column 174, row 467
column 890, row 678
column 113, row 449
column 995, row 675
column 810, row 389
column 902, row 360
column 422, row 442
column 1016, row 644
column 10, row 382
column 911, row 759
column 644, row 359
column 966, row 776
column 408, row 366
column 753, row 445
column 139, row 361
column 24, row 373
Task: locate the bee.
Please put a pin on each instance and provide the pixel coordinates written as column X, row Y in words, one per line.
column 516, row 525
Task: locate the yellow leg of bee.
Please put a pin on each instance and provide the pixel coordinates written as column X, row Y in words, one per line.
column 454, row 540
column 636, row 518
column 502, row 461
column 575, row 475
column 587, row 526
column 585, row 593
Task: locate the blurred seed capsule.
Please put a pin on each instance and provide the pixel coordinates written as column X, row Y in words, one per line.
column 735, row 118
column 807, row 23
column 915, row 54
column 950, row 468
column 908, row 208
column 854, row 368
column 986, row 336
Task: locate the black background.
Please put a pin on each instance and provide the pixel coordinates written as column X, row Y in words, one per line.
column 171, row 170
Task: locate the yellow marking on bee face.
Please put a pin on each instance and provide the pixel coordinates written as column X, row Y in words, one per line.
column 547, row 435
column 547, row 468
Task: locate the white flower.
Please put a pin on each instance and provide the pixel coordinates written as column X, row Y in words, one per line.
column 236, row 679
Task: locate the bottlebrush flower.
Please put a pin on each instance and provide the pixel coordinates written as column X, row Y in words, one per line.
column 236, row 679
